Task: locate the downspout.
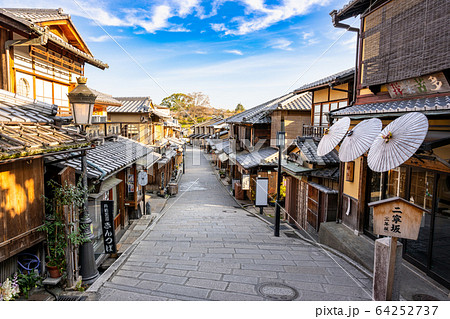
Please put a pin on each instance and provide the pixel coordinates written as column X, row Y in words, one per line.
column 338, row 24
column 97, row 168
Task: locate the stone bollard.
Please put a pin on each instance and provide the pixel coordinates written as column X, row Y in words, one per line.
column 381, row 270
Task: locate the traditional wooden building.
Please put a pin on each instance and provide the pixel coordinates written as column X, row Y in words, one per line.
column 27, row 137
column 328, row 94
column 312, row 180
column 403, row 66
column 311, row 185
column 253, row 134
column 42, row 53
column 112, row 170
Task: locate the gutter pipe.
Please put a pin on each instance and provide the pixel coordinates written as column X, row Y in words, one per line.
column 338, row 24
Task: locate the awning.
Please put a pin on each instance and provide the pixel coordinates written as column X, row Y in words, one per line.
column 429, row 106
column 163, row 161
column 262, row 157
column 106, row 186
column 149, row 160
column 294, row 168
column 223, row 157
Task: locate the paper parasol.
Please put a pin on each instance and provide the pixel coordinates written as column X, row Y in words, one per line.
column 333, row 136
column 359, row 139
column 397, row 142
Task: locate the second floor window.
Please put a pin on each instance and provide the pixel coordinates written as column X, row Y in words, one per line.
column 24, row 89
column 322, row 109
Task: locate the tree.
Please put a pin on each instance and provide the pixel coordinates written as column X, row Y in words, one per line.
column 198, row 101
column 239, row 108
column 177, row 101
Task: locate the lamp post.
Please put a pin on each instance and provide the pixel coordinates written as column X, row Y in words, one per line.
column 82, row 101
column 280, row 145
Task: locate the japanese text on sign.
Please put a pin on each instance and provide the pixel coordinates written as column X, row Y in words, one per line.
column 109, row 238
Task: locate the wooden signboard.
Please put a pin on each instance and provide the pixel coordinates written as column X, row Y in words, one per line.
column 350, row 171
column 109, row 236
column 245, row 182
column 429, row 84
column 396, row 217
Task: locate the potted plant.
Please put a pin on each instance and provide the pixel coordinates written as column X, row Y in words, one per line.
column 222, row 173
column 59, row 233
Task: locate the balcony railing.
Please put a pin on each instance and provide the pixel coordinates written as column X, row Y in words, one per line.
column 98, row 118
column 314, row 130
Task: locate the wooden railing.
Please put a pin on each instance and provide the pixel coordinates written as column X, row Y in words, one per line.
column 314, row 130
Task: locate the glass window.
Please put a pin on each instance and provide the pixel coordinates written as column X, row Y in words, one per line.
column 375, row 195
column 23, row 88
column 342, row 104
column 325, row 108
column 396, row 183
column 317, row 114
column 441, row 238
column 422, row 184
column 421, row 193
column 333, row 106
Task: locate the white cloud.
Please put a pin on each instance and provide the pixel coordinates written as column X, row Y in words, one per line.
column 281, row 44
column 105, row 38
column 265, row 16
column 307, row 35
column 218, row 27
column 237, row 52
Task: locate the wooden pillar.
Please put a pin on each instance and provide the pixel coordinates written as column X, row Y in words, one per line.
column 3, row 62
column 386, row 270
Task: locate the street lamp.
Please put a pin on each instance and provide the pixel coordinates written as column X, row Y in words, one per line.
column 82, row 100
column 280, row 144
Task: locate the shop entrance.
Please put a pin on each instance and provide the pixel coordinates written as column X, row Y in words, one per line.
column 430, row 190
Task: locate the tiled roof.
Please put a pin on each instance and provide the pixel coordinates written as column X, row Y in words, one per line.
column 106, row 99
column 330, row 173
column 261, row 114
column 308, row 152
column 16, row 108
column 354, row 8
column 110, row 157
column 38, row 15
column 294, row 168
column 132, row 105
column 261, row 157
column 335, row 78
column 25, row 139
column 221, row 145
column 430, row 105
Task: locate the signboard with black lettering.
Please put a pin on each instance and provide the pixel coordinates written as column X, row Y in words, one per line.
column 109, row 237
column 396, row 217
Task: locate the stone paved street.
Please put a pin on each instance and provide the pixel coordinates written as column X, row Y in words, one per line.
column 205, row 247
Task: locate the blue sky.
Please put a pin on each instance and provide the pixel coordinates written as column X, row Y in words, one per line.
column 246, row 51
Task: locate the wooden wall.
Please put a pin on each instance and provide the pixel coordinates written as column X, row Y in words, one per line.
column 293, row 124
column 21, row 205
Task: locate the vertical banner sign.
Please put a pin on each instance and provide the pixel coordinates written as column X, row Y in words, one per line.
column 109, row 238
column 245, row 182
column 262, row 188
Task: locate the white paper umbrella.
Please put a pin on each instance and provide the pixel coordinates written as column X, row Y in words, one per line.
column 397, row 142
column 333, row 136
column 359, row 139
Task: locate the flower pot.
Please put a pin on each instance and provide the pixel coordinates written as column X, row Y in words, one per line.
column 53, row 271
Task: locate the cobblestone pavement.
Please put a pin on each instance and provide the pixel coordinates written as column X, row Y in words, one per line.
column 204, row 247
